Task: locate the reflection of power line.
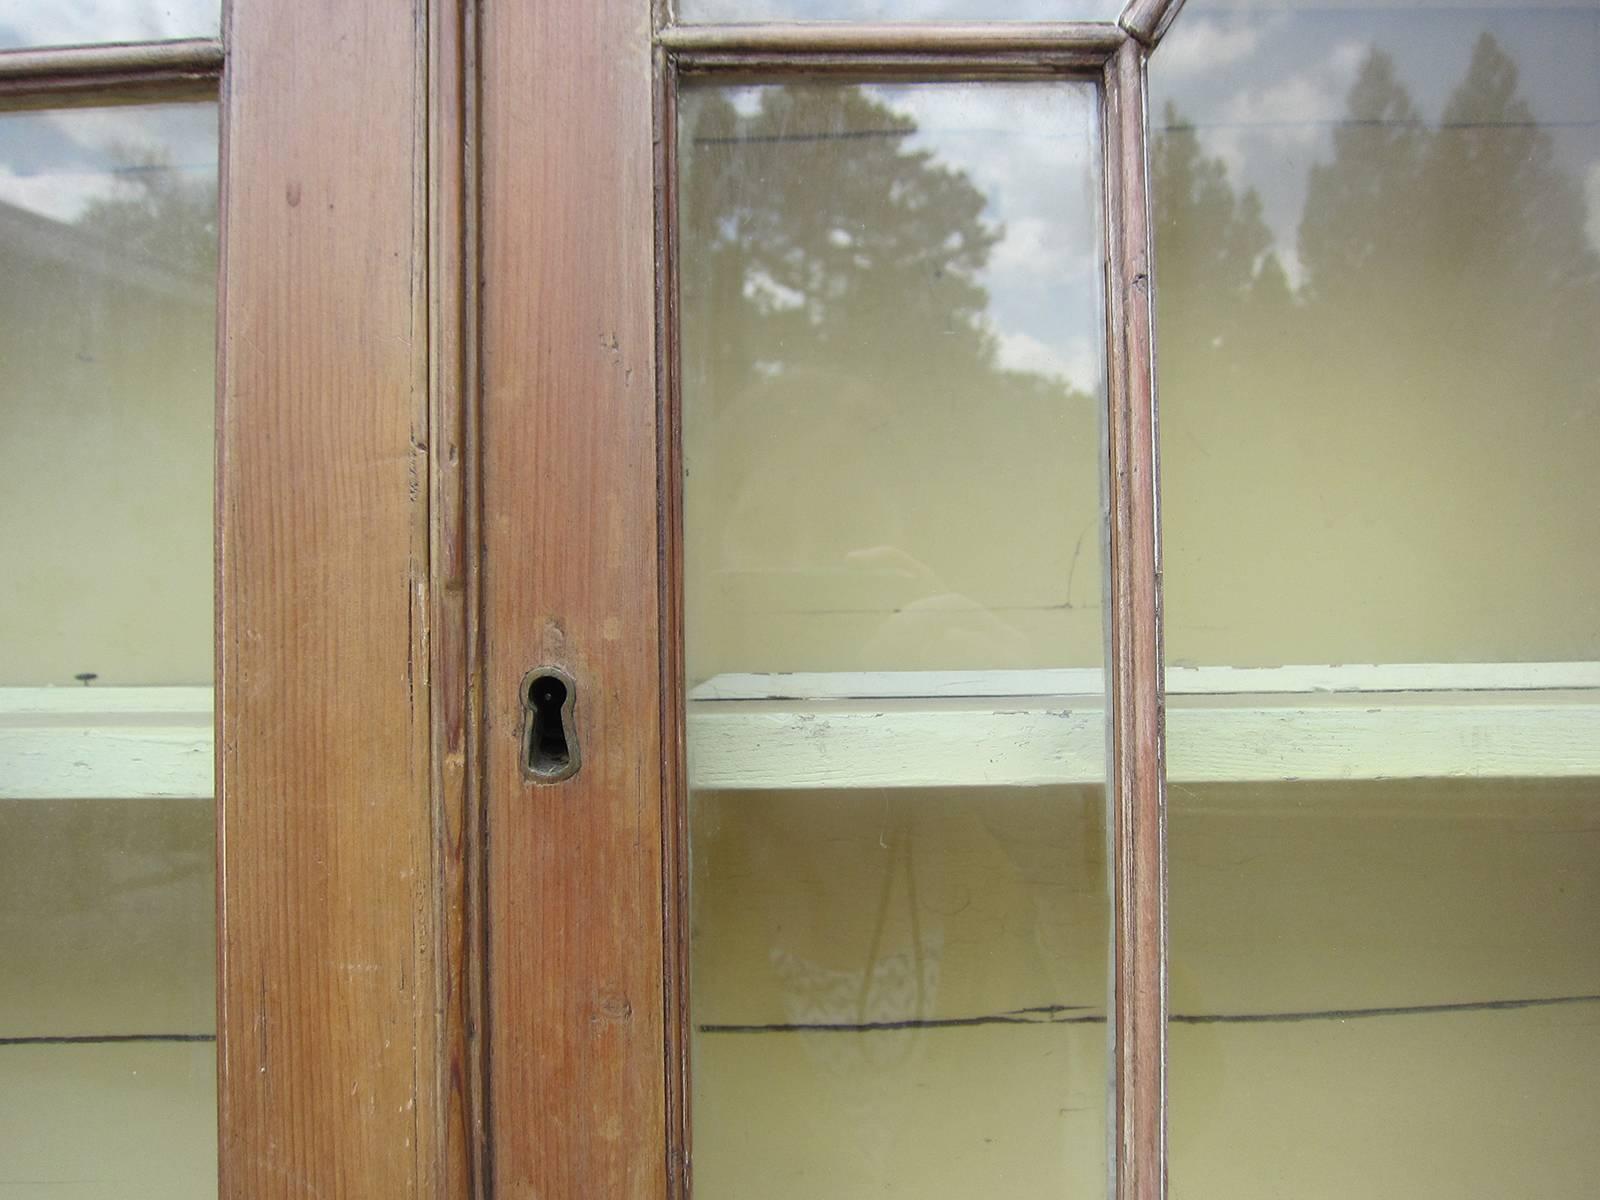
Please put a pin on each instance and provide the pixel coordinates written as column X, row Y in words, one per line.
column 1348, row 123
column 209, row 168
column 158, row 168
column 1036, row 135
column 1575, row 8
column 851, row 135
column 847, row 135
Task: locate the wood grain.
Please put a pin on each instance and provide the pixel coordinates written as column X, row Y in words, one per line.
column 1138, row 805
column 328, row 991
column 570, row 460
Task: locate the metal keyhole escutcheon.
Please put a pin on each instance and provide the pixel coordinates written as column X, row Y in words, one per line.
column 549, row 738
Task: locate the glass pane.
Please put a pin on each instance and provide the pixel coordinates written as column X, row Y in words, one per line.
column 84, row 22
column 898, row 10
column 1379, row 293
column 107, row 289
column 1378, row 250
column 892, row 386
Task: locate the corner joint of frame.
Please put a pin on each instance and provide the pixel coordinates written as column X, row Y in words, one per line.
column 1145, row 37
column 1147, row 21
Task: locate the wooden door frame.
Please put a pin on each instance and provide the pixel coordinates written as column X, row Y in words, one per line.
column 540, row 525
column 447, row 452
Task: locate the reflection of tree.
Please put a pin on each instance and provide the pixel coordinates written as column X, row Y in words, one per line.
column 1214, row 244
column 1469, row 231
column 1471, row 222
column 1477, row 205
column 1525, row 245
column 156, row 213
column 1363, row 210
column 1423, row 397
column 852, row 436
column 823, row 245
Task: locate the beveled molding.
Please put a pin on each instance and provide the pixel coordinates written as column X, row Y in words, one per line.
column 819, row 44
column 926, row 50
column 119, row 72
column 906, row 37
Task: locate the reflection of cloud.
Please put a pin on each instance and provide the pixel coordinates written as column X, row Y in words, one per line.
column 74, row 22
column 1076, row 362
column 1271, row 124
column 1033, row 151
column 1033, row 246
column 55, row 163
column 1291, row 114
column 1208, row 46
column 60, row 195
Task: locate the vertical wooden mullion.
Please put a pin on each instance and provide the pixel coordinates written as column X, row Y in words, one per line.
column 328, row 1055
column 1138, row 817
column 575, row 990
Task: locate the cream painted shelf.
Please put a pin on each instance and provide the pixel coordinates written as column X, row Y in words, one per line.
column 105, row 743
column 904, row 729
column 1028, row 728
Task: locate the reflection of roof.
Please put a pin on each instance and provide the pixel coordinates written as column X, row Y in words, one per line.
column 32, row 235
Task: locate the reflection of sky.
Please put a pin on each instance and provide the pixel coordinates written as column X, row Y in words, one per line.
column 75, row 22
column 55, row 163
column 1265, row 87
column 1033, row 151
column 899, row 10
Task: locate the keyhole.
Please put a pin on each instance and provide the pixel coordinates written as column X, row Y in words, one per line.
column 550, row 751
